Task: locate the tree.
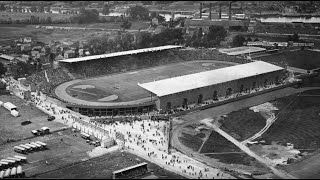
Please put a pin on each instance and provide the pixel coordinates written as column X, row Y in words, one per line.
column 48, row 20
column 200, row 33
column 126, row 25
column 105, row 9
column 21, row 69
column 295, row 37
column 238, row 40
column 3, row 69
column 289, row 38
column 33, row 9
column 249, row 39
column 2, row 7
column 41, row 9
column 86, row 16
column 215, row 35
column 137, row 12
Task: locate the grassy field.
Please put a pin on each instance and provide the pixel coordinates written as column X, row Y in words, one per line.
column 236, row 124
column 20, row 16
column 129, row 90
column 303, row 59
column 298, row 121
column 10, row 33
column 10, row 126
column 15, row 31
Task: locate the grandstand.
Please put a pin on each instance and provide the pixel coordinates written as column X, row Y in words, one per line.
column 195, row 88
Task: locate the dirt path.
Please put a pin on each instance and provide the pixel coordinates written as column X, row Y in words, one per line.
column 194, row 117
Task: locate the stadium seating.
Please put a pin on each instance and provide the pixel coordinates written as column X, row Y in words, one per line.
column 55, row 76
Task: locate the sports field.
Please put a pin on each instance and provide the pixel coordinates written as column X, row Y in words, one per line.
column 123, row 87
column 303, row 59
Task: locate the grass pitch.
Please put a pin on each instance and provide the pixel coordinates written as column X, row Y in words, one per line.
column 303, row 59
column 128, row 89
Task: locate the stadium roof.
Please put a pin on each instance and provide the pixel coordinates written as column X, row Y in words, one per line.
column 207, row 78
column 123, row 53
column 241, row 50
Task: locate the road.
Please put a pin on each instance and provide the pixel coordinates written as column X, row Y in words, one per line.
column 244, row 148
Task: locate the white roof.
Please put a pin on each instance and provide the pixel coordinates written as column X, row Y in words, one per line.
column 160, row 48
column 207, row 78
column 10, row 105
column 241, row 50
column 4, row 56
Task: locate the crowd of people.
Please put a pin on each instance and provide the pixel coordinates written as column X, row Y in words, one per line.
column 112, row 65
column 191, row 54
column 55, row 77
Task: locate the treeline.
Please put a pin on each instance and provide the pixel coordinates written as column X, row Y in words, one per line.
column 127, row 41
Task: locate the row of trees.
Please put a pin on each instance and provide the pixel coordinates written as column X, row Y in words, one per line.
column 210, row 38
column 125, row 41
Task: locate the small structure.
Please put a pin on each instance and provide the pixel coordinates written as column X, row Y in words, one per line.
column 27, row 40
column 7, row 58
column 25, row 47
column 25, row 57
column 59, row 57
column 107, row 142
column 69, row 54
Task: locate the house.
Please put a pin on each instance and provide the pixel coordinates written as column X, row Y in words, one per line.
column 25, row 57
column 87, row 53
column 69, row 54
column 27, row 40
column 34, row 53
column 36, row 48
column 81, row 52
column 6, row 57
column 25, row 47
column 59, row 57
column 44, row 58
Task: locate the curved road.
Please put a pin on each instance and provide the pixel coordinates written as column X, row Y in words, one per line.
column 195, row 117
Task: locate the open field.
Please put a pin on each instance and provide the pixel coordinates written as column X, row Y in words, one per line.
column 236, row 124
column 10, row 126
column 20, row 16
column 298, row 121
column 303, row 59
column 13, row 32
column 129, row 90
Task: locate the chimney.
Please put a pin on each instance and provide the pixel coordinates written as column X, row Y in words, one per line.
column 220, row 11
column 200, row 10
column 210, row 9
column 230, row 10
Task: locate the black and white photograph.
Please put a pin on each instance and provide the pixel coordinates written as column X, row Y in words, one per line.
column 160, row 89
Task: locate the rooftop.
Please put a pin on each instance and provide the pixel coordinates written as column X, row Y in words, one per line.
column 241, row 50
column 198, row 80
column 123, row 53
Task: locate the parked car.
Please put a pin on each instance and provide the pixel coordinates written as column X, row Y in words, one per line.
column 25, row 123
column 51, row 118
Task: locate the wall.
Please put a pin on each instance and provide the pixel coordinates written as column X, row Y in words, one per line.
column 207, row 92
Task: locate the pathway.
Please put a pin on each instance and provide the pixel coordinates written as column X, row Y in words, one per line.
column 244, row 148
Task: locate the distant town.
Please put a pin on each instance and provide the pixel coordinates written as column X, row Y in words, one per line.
column 160, row 89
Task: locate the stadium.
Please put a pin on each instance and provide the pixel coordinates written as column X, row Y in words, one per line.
column 163, row 87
